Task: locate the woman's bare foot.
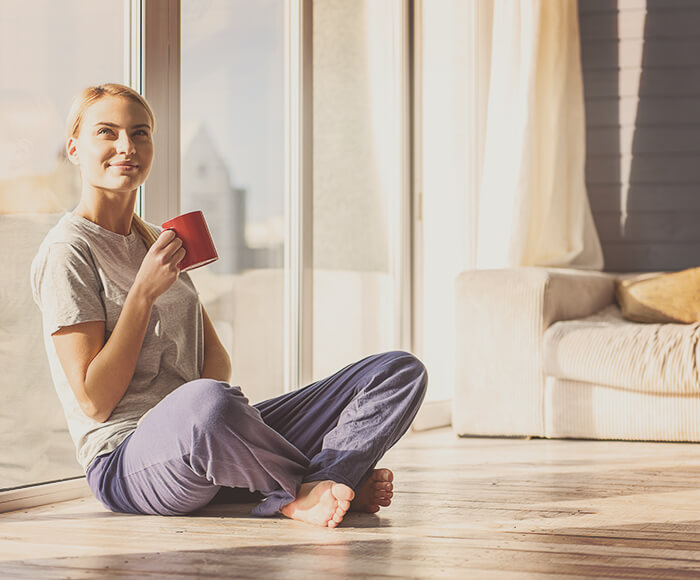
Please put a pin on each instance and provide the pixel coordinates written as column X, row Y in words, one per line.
column 375, row 492
column 322, row 503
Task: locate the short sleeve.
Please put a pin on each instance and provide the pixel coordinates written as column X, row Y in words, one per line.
column 66, row 286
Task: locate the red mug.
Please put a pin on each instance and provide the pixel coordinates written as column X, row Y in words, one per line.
column 192, row 229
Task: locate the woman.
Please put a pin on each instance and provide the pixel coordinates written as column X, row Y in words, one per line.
column 144, row 379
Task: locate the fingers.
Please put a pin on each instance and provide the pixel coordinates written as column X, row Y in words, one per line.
column 168, row 251
column 171, row 246
column 165, row 237
column 178, row 256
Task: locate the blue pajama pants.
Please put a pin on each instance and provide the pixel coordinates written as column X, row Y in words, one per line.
column 205, row 438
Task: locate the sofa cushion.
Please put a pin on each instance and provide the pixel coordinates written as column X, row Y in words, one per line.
column 671, row 297
column 606, row 349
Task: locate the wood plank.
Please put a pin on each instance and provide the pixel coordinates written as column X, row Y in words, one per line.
column 683, row 22
column 649, row 256
column 643, row 140
column 669, row 81
column 642, row 169
column 645, row 112
column 645, row 197
column 624, row 6
column 666, row 227
column 640, row 52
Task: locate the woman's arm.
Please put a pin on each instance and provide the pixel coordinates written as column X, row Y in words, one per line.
column 217, row 363
column 99, row 373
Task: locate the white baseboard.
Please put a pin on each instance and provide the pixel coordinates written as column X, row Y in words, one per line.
column 43, row 494
column 433, row 414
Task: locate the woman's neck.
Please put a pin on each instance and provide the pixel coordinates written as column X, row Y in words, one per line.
column 114, row 213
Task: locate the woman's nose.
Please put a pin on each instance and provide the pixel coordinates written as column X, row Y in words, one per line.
column 124, row 144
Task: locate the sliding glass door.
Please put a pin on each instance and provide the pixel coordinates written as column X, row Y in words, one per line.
column 48, row 52
column 360, row 180
column 232, row 168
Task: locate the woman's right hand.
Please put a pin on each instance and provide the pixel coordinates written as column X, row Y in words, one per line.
column 159, row 269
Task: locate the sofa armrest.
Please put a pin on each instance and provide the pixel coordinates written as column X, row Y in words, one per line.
column 501, row 319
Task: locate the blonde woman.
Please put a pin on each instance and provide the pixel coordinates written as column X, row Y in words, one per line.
column 144, row 380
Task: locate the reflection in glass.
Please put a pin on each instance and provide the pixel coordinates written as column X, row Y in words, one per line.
column 38, row 184
column 232, row 168
column 356, row 178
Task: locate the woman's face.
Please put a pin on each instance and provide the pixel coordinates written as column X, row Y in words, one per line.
column 114, row 147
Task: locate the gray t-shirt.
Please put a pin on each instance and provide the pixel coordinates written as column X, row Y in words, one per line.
column 83, row 272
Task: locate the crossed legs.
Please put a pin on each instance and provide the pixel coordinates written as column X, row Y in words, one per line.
column 311, row 453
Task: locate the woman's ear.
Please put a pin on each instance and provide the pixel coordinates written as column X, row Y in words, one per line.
column 72, row 151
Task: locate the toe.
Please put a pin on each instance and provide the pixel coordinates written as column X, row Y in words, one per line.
column 385, row 475
column 344, row 504
column 343, row 492
column 338, row 515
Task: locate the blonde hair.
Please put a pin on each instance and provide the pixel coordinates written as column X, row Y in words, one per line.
column 88, row 97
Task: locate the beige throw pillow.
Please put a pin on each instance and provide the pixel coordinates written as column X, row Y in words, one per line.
column 673, row 297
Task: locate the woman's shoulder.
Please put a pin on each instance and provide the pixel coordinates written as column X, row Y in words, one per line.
column 63, row 255
column 64, row 237
column 63, row 244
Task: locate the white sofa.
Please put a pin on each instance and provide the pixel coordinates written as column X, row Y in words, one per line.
column 545, row 352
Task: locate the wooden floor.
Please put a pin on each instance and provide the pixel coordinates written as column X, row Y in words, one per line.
column 463, row 508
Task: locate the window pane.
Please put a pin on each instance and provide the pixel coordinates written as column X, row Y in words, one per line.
column 449, row 199
column 357, row 153
column 48, row 52
column 232, row 75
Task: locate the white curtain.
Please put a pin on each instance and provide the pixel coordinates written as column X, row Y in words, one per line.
column 533, row 207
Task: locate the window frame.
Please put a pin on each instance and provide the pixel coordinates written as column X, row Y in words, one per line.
column 298, row 180
column 157, row 76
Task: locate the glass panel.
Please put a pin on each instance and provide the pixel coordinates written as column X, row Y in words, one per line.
column 357, row 153
column 70, row 48
column 449, row 199
column 232, row 82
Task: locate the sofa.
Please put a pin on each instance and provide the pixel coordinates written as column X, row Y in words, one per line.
column 545, row 352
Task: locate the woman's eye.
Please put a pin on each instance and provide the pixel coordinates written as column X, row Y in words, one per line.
column 140, row 131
